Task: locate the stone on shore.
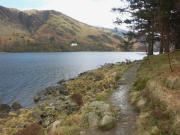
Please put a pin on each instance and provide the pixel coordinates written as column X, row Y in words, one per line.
column 16, row 106
column 93, row 119
column 37, row 114
column 36, row 99
column 100, row 116
column 44, row 116
column 4, row 110
column 63, row 89
column 100, row 106
column 107, row 122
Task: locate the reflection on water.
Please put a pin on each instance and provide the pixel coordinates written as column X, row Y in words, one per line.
column 22, row 75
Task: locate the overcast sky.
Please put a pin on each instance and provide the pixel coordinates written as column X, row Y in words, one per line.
column 92, row 12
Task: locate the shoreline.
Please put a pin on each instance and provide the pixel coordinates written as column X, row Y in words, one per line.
column 81, row 107
column 75, row 51
column 63, row 81
column 67, row 100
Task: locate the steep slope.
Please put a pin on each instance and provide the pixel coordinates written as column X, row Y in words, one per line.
column 156, row 95
column 48, row 30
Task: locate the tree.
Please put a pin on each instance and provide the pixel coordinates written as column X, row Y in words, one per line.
column 176, row 23
column 155, row 20
column 143, row 20
column 129, row 42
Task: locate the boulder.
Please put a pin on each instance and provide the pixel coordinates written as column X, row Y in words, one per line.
column 100, row 115
column 61, row 81
column 93, row 119
column 55, row 90
column 46, row 122
column 16, row 106
column 83, row 133
column 36, row 99
column 63, row 89
column 60, row 106
column 38, row 114
column 107, row 122
column 100, row 107
column 20, row 125
column 70, row 106
column 44, row 117
column 4, row 110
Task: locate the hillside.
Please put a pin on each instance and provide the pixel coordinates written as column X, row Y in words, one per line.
column 48, row 30
column 156, row 96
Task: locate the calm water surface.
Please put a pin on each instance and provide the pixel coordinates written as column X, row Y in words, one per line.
column 22, row 75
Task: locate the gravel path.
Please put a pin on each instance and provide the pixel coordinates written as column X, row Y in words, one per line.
column 120, row 99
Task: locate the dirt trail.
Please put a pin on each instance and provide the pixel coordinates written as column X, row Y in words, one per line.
column 127, row 124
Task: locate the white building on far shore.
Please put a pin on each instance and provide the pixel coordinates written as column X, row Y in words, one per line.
column 74, row 44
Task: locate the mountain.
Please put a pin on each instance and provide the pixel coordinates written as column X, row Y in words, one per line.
column 49, row 30
column 117, row 31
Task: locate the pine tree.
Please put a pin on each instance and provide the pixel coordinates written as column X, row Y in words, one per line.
column 155, row 20
column 143, row 20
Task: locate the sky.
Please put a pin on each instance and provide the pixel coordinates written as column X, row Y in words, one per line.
column 92, row 12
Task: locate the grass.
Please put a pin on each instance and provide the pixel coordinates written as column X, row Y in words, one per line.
column 97, row 83
column 92, row 85
column 155, row 96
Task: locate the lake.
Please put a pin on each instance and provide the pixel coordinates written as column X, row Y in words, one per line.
column 22, row 75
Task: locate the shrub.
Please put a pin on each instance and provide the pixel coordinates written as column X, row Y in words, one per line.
column 77, row 98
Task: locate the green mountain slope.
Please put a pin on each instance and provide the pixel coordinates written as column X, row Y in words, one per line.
column 48, row 30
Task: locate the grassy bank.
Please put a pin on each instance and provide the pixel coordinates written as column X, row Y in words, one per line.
column 156, row 96
column 95, row 85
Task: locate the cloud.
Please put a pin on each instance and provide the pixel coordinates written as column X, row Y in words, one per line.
column 92, row 12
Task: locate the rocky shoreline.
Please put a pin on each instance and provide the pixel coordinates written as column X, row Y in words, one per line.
column 78, row 103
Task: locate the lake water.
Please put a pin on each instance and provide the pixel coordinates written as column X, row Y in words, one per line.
column 22, row 75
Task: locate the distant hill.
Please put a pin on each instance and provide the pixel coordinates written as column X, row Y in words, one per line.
column 117, row 31
column 138, row 46
column 48, row 30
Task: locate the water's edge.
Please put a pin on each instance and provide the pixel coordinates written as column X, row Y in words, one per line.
column 23, row 75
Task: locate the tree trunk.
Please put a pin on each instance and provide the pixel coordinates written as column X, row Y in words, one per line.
column 161, row 49
column 177, row 46
column 150, row 47
column 166, row 41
